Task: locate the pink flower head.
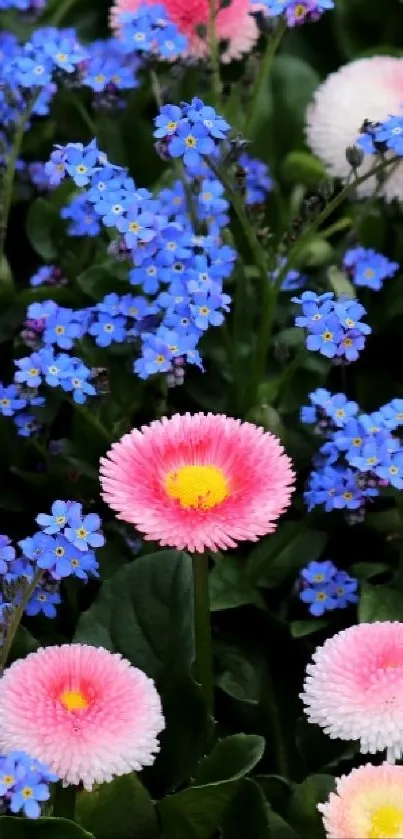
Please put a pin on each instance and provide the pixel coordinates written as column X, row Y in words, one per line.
column 196, row 482
column 234, row 24
column 367, row 804
column 369, row 88
column 85, row 712
column 354, row 688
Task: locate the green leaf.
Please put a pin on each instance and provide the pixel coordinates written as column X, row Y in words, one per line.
column 16, row 828
column 248, row 815
column 302, row 812
column 42, row 220
column 188, row 729
column 293, row 82
column 231, row 758
column 379, row 603
column 302, row 167
column 121, row 808
column 239, row 676
column 145, row 612
column 97, row 281
column 196, row 813
column 386, row 521
column 367, row 570
column 299, row 629
column 340, row 283
column 229, row 586
column 281, row 555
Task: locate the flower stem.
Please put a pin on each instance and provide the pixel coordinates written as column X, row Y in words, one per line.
column 64, row 802
column 264, row 70
column 8, row 179
column 203, row 648
column 61, row 11
column 16, row 618
column 214, row 53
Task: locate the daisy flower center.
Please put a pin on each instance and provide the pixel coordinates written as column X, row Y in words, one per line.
column 197, row 487
column 73, row 700
column 386, row 822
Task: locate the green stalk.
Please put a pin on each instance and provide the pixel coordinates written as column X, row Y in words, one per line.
column 8, row 179
column 203, row 648
column 64, row 802
column 214, row 53
column 92, row 419
column 61, row 11
column 17, row 617
column 264, row 70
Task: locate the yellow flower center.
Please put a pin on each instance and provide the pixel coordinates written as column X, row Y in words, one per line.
column 73, row 700
column 172, row 125
column 27, row 792
column 190, row 141
column 300, row 10
column 8, row 780
column 197, row 487
column 369, row 273
column 327, row 336
column 386, row 823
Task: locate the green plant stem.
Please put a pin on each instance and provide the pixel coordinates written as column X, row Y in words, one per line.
column 203, row 647
column 64, row 802
column 8, row 178
column 92, row 419
column 61, row 11
column 303, row 240
column 84, row 115
column 16, row 619
column 214, row 53
column 273, row 722
column 264, row 70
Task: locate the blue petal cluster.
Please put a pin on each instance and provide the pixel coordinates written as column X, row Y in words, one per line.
column 297, row 12
column 182, row 269
column 382, row 136
column 191, row 132
column 324, row 588
column 367, row 268
column 24, row 784
column 360, row 453
column 258, row 182
column 148, row 30
column 334, row 327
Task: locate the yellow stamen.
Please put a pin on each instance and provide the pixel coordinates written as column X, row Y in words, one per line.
column 386, row 823
column 197, row 487
column 73, row 700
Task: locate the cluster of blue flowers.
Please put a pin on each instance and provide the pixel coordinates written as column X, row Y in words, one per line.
column 183, row 269
column 384, row 136
column 191, row 132
column 334, row 327
column 297, row 12
column 24, row 784
column 367, row 268
column 23, row 5
column 324, row 588
column 62, row 547
column 149, row 31
column 360, row 454
column 258, row 181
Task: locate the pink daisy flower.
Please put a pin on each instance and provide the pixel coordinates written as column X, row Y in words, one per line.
column 369, row 88
column 367, row 804
column 196, row 482
column 234, row 24
column 354, row 687
column 85, row 712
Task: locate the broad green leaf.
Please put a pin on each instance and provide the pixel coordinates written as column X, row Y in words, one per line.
column 379, row 603
column 42, row 221
column 367, row 570
column 145, row 612
column 248, row 814
column 299, row 629
column 318, row 751
column 302, row 812
column 188, row 730
column 276, row 789
column 122, row 808
column 231, row 758
column 340, row 283
column 97, row 281
column 19, row 828
column 229, row 586
column 239, row 676
column 386, row 521
column 281, row 555
column 302, row 167
column 196, row 812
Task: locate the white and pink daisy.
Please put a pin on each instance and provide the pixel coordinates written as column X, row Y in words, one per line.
column 369, row 88
column 367, row 804
column 235, row 25
column 198, row 481
column 85, row 712
column 354, row 687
